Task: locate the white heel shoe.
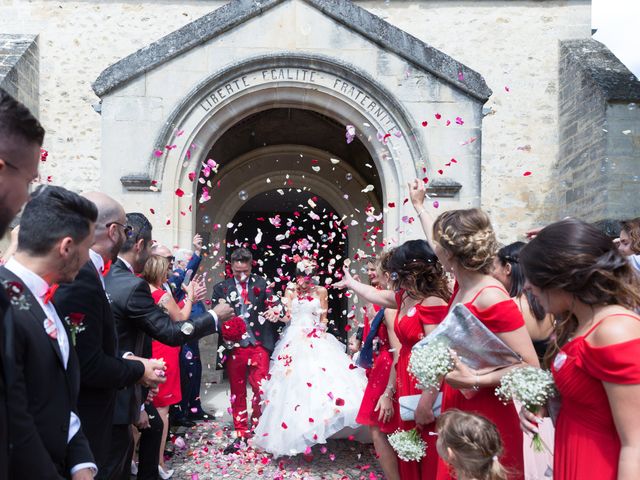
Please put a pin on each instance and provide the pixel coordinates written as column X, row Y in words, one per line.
column 165, row 474
column 134, row 468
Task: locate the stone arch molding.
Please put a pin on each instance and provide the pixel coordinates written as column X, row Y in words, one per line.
column 245, row 176
column 312, row 83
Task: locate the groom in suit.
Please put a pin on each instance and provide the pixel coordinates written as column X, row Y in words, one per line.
column 56, row 231
column 248, row 359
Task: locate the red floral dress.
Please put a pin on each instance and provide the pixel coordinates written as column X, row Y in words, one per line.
column 500, row 317
column 410, row 331
column 378, row 378
column 587, row 445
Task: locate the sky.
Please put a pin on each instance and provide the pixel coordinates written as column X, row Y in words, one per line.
column 617, row 24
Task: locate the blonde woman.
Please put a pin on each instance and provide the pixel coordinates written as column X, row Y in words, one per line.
column 156, row 272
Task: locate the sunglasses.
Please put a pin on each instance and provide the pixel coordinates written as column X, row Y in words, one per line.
column 128, row 229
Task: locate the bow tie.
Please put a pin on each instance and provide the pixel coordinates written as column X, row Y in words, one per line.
column 51, row 291
column 106, row 268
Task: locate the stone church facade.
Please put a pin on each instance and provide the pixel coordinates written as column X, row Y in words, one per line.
column 136, row 96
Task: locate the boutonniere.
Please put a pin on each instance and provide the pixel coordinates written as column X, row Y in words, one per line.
column 75, row 321
column 15, row 292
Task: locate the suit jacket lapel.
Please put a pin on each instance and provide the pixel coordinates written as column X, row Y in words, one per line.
column 36, row 313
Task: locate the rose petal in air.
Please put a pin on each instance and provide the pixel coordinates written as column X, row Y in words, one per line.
column 179, row 192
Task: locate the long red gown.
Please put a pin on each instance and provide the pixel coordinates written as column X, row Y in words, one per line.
column 378, row 378
column 409, row 330
column 587, row 445
column 499, row 318
column 169, row 392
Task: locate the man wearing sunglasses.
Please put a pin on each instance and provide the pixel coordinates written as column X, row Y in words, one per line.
column 21, row 137
column 104, row 369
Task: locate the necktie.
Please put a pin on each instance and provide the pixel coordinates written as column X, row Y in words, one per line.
column 106, row 268
column 245, row 292
column 51, row 291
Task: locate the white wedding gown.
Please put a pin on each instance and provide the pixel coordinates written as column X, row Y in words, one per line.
column 313, row 392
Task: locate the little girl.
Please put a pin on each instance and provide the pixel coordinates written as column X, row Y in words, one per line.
column 471, row 445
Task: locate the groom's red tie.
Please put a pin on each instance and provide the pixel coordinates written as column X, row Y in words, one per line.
column 245, row 292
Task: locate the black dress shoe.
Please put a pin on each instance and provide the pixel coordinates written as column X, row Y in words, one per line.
column 234, row 446
column 182, row 422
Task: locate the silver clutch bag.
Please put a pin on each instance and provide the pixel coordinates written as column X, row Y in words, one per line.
column 409, row 403
column 477, row 346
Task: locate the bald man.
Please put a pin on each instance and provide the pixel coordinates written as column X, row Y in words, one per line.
column 103, row 368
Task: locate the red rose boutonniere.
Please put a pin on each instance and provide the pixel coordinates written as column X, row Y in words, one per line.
column 75, row 321
column 15, row 292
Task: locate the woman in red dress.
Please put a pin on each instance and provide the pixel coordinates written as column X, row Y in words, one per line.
column 419, row 295
column 156, row 272
column 378, row 371
column 465, row 243
column 576, row 273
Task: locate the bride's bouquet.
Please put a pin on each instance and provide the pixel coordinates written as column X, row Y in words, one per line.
column 233, row 330
column 531, row 386
column 429, row 363
column 408, row 445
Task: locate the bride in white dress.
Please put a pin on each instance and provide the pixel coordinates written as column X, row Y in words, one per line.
column 313, row 389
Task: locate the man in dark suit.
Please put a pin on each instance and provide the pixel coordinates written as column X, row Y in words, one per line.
column 56, row 231
column 21, row 137
column 138, row 319
column 249, row 296
column 103, row 370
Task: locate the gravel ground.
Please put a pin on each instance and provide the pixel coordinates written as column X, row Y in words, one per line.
column 198, row 456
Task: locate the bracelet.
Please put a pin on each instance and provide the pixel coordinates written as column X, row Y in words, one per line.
column 476, row 387
column 391, row 387
column 420, row 213
column 386, row 395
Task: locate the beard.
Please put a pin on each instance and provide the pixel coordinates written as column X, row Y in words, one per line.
column 6, row 217
column 115, row 250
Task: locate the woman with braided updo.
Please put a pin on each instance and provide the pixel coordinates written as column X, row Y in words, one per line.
column 471, row 445
column 576, row 273
column 419, row 293
column 465, row 243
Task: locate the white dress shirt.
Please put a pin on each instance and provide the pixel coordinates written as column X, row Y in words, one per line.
column 38, row 287
column 98, row 262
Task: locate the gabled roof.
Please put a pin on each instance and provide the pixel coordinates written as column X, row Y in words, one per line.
column 343, row 12
column 611, row 76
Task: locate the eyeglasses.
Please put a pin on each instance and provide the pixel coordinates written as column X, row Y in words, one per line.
column 128, row 229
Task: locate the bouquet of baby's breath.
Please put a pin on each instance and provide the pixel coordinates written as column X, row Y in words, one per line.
column 430, row 362
column 531, row 386
column 408, row 445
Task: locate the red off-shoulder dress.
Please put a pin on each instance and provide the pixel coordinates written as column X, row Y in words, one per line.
column 409, row 330
column 587, row 445
column 378, row 378
column 499, row 318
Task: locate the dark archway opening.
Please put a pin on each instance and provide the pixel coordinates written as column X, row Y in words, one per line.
column 278, row 224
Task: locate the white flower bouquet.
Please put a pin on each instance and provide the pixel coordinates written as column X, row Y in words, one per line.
column 408, row 445
column 430, row 362
column 531, row 386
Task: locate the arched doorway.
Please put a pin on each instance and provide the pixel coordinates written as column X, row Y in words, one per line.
column 291, row 167
column 276, row 226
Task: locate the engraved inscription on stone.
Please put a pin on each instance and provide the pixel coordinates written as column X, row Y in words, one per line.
column 344, row 88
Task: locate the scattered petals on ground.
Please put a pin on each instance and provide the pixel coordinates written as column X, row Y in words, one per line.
column 197, row 453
